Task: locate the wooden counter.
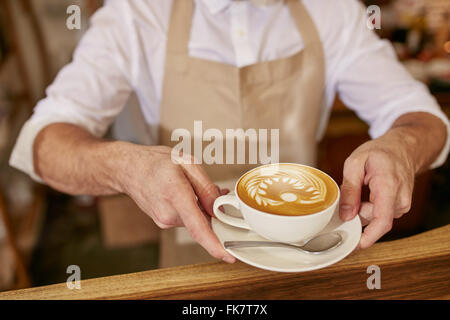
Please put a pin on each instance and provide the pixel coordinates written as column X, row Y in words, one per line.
column 417, row 267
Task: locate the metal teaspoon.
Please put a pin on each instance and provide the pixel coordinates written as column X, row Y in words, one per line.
column 319, row 244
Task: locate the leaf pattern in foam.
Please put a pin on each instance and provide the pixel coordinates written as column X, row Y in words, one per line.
column 308, row 188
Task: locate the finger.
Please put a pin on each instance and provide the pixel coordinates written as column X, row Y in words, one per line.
column 357, row 248
column 206, row 191
column 383, row 212
column 366, row 213
column 198, row 226
column 161, row 212
column 353, row 179
column 221, row 192
column 376, row 228
column 165, row 215
column 201, row 207
column 403, row 204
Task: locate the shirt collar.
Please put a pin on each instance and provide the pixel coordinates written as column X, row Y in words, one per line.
column 215, row 6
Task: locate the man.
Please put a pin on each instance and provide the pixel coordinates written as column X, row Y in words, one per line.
column 231, row 64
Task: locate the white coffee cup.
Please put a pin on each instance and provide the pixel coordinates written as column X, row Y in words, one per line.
column 284, row 228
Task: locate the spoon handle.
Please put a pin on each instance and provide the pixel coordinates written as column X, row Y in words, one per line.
column 247, row 244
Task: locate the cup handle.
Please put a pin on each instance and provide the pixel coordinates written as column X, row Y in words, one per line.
column 233, row 221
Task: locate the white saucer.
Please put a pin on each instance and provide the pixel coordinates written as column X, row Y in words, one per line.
column 290, row 260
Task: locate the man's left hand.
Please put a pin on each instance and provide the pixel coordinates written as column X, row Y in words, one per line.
column 386, row 167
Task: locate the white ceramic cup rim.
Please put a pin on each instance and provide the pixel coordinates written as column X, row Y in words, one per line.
column 306, row 216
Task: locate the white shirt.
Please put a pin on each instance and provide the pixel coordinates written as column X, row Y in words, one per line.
column 124, row 51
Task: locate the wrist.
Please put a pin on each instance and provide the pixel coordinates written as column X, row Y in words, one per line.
column 408, row 146
column 422, row 136
column 117, row 164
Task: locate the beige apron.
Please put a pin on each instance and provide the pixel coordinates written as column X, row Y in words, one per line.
column 284, row 94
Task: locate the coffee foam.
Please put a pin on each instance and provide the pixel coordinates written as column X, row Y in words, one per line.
column 287, row 189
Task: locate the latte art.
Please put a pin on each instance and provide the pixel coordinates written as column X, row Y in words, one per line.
column 306, row 189
column 287, row 189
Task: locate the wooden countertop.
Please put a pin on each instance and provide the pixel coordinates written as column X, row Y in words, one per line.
column 417, row 267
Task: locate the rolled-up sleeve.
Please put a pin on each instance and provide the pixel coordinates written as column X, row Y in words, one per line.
column 89, row 92
column 372, row 82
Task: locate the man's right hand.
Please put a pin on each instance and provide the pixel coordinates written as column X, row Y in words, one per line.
column 170, row 192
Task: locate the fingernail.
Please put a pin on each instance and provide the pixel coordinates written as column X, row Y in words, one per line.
column 346, row 212
column 228, row 259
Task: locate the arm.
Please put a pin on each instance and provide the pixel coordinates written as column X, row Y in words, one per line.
column 61, row 143
column 388, row 165
column 70, row 159
column 423, row 137
column 408, row 128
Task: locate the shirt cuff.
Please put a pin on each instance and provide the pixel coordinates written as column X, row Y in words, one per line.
column 22, row 154
column 387, row 124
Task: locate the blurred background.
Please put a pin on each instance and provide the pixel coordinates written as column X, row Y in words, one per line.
column 42, row 231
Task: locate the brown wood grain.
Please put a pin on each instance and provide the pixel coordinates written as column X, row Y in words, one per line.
column 417, row 267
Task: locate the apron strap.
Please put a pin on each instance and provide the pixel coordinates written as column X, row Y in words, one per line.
column 305, row 24
column 180, row 26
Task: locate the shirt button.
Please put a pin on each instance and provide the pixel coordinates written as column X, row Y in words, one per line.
column 241, row 32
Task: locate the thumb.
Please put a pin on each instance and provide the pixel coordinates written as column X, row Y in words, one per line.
column 351, row 188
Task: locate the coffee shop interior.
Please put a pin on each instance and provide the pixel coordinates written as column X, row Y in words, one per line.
column 43, row 231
